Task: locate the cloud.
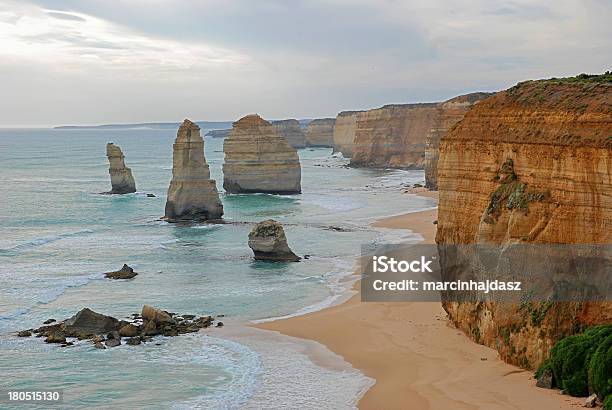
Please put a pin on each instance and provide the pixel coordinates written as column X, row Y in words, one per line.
column 161, row 59
column 77, row 41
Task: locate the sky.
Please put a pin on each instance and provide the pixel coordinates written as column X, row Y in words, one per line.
column 126, row 61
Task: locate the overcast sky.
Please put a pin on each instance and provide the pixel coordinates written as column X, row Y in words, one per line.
column 103, row 61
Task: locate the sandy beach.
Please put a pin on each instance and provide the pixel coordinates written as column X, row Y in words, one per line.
column 418, row 359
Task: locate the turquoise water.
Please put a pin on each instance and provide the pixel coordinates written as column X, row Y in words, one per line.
column 59, row 235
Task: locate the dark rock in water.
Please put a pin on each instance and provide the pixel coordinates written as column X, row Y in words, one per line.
column 151, row 195
column 545, row 380
column 106, row 331
column 113, row 342
column 56, row 337
column 149, row 328
column 129, row 330
column 149, row 313
column 88, row 321
column 133, row 341
column 268, row 242
column 124, row 273
column 204, row 321
column 435, row 222
column 417, row 186
column 48, row 321
column 113, row 335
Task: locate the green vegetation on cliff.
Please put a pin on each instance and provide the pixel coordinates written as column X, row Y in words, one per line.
column 582, row 363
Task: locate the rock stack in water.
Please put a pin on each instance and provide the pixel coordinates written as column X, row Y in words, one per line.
column 192, row 195
column 257, row 159
column 269, row 243
column 291, row 131
column 320, row 132
column 122, row 181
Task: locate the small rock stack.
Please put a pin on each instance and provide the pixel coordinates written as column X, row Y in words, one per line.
column 122, row 181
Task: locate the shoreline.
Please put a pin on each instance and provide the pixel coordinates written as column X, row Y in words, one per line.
column 415, row 355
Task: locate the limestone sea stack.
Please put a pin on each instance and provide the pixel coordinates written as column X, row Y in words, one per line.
column 344, row 132
column 291, row 131
column 320, row 132
column 529, row 165
column 122, row 181
column 268, row 241
column 257, row 159
column 192, row 195
column 449, row 113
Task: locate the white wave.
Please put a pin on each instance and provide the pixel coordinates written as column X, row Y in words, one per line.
column 33, row 243
column 339, row 281
column 239, row 361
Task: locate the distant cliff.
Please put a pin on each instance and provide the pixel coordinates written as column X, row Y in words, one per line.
column 532, row 164
column 291, row 131
column 320, row 132
column 394, row 136
column 449, row 113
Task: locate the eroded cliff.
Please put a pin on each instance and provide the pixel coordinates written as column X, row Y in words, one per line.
column 320, row 132
column 291, row 131
column 532, row 164
column 257, row 159
column 449, row 113
column 344, row 132
column 394, row 136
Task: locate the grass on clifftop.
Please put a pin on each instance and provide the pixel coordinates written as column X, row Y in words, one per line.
column 605, row 78
column 582, row 363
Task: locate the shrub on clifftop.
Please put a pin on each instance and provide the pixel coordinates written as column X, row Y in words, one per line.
column 582, row 363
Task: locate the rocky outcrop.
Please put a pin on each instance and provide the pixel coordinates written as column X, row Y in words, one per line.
column 122, row 181
column 268, row 241
column 449, row 113
column 394, row 136
column 192, row 195
column 291, row 131
column 124, row 273
column 320, row 132
column 98, row 328
column 257, row 159
column 532, row 164
column 344, row 132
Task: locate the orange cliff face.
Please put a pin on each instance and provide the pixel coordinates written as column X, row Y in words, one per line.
column 395, row 136
column 532, row 164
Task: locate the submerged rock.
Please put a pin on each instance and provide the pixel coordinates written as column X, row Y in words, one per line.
column 269, row 243
column 192, row 195
column 122, row 181
column 257, row 159
column 124, row 273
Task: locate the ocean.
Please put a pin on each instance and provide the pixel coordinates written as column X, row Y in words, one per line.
column 59, row 235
